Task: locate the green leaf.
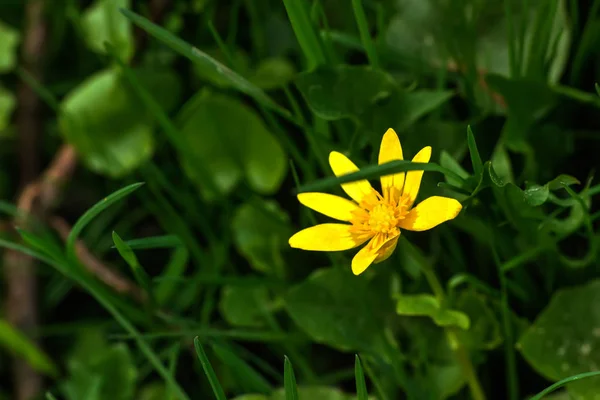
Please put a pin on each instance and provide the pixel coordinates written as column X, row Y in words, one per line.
column 260, row 233
column 233, row 143
column 336, row 308
column 209, row 371
column 448, row 162
column 9, row 39
column 107, row 371
column 314, row 393
column 564, row 340
column 273, row 73
column 536, row 195
column 562, row 180
column 343, row 91
column 94, row 211
column 289, row 381
column 359, row 376
column 8, row 103
column 103, row 120
column 244, row 306
column 103, row 23
column 428, row 306
column 204, row 61
column 474, row 152
column 21, row 346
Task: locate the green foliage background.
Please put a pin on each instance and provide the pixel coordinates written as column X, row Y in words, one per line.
column 231, row 107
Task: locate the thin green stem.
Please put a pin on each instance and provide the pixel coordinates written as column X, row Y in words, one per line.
column 460, row 351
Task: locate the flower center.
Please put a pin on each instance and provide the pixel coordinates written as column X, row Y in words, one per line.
column 379, row 215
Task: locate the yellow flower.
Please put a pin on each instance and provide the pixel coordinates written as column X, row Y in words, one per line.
column 373, row 216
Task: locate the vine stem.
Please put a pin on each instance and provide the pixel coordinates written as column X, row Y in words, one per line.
column 462, row 355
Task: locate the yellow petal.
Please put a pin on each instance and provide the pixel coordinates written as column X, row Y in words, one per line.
column 386, row 250
column 329, row 204
column 373, row 252
column 391, row 150
column 431, row 212
column 341, row 165
column 413, row 178
column 325, row 237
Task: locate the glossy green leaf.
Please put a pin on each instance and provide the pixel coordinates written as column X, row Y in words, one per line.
column 21, row 346
column 428, row 306
column 260, row 233
column 103, row 120
column 244, row 306
column 9, row 39
column 103, row 23
column 335, row 308
column 564, row 340
column 343, row 91
column 233, row 143
column 8, row 104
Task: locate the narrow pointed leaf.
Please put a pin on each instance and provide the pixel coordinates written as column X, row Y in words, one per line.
column 209, row 371
column 361, row 386
column 289, row 380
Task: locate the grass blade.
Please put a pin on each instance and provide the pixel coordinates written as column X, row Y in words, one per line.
column 49, row 396
column 365, row 36
column 130, row 258
column 375, row 171
column 245, row 375
column 90, row 214
column 306, row 33
column 208, row 370
column 361, row 386
column 154, row 242
column 475, row 157
column 289, row 380
column 563, row 382
column 204, row 61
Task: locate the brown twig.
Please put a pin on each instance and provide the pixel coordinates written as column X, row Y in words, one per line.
column 103, row 272
column 21, row 293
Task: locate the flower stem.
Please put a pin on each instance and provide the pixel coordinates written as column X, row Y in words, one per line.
column 462, row 355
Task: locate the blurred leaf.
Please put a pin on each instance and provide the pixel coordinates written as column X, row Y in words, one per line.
column 261, row 235
column 233, row 142
column 314, row 393
column 244, row 306
column 103, row 23
column 131, row 259
column 9, row 39
column 476, row 162
column 204, row 61
column 103, row 120
column 563, row 179
column 22, row 347
column 336, row 308
column 484, row 330
column 564, row 339
column 252, row 397
column 428, row 305
column 536, row 195
column 343, row 91
column 8, row 104
column 245, row 376
column 272, row 73
column 154, row 391
column 239, row 59
column 94, row 364
column 400, row 109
